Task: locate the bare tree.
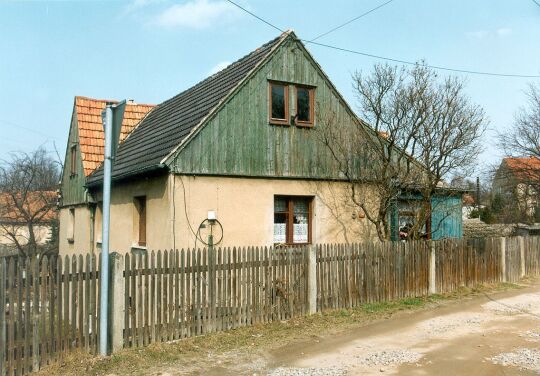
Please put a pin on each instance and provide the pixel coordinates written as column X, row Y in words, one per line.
column 523, row 138
column 28, row 199
column 416, row 130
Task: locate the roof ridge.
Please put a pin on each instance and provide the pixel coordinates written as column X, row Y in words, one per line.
column 112, row 101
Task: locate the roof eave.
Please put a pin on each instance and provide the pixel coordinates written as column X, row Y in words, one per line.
column 97, row 182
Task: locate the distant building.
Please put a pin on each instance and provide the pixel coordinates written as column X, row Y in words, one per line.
column 517, row 182
column 14, row 223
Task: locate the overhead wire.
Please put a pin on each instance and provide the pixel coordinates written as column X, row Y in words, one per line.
column 28, row 129
column 351, row 21
column 395, row 60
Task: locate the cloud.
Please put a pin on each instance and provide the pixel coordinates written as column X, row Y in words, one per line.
column 196, row 14
column 219, row 66
column 484, row 34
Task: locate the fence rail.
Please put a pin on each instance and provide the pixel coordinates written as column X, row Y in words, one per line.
column 50, row 306
column 178, row 294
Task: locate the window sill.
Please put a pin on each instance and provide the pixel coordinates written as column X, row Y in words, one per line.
column 277, row 122
column 305, row 125
column 281, row 245
column 138, row 249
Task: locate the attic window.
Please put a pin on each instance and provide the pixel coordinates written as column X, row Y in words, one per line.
column 73, row 160
column 304, row 106
column 279, row 103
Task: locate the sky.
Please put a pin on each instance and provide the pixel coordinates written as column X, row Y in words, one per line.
column 151, row 50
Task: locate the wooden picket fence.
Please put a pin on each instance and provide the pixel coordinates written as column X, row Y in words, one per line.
column 179, row 294
column 467, row 262
column 348, row 276
column 50, row 306
column 532, row 256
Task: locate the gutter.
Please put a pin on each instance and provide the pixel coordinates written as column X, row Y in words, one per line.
column 116, row 178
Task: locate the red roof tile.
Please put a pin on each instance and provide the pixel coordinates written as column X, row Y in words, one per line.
column 36, row 200
column 91, row 136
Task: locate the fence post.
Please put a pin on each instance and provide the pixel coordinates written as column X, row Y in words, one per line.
column 312, row 279
column 503, row 259
column 3, row 346
column 116, row 302
column 522, row 255
column 432, row 269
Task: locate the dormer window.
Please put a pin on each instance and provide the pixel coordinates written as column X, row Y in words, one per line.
column 304, row 106
column 279, row 103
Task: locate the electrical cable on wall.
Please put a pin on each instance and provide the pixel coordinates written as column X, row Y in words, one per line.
column 211, row 223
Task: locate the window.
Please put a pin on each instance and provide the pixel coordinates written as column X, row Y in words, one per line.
column 409, row 213
column 304, row 106
column 140, row 217
column 98, row 222
column 292, row 220
column 71, row 225
column 279, row 103
column 73, row 160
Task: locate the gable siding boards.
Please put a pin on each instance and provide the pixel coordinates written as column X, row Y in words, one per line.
column 172, row 121
column 238, row 140
column 73, row 191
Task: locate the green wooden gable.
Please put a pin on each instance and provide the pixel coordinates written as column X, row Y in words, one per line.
column 238, row 140
column 72, row 186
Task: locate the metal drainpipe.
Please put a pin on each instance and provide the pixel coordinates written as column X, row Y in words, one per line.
column 104, row 275
column 92, row 226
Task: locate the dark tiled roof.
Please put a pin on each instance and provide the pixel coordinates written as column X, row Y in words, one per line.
column 171, row 121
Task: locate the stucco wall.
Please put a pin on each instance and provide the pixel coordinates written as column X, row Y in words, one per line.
column 124, row 220
column 81, row 230
column 245, row 207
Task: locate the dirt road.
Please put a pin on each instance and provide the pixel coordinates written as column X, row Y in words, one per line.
column 479, row 332
column 497, row 334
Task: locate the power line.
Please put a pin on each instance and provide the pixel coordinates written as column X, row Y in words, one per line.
column 254, row 15
column 28, row 129
column 456, row 70
column 438, row 67
column 352, row 20
column 536, row 2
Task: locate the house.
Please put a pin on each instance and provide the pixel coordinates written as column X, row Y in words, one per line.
column 240, row 146
column 84, row 154
column 517, row 183
column 26, row 216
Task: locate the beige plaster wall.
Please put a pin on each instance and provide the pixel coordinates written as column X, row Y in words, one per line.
column 81, row 230
column 124, row 218
column 245, row 207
